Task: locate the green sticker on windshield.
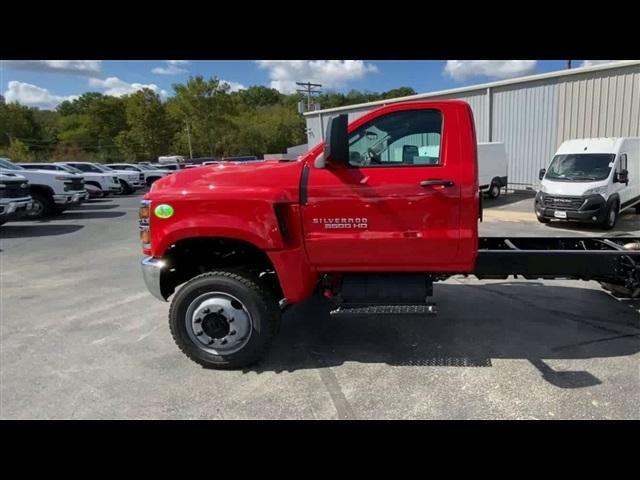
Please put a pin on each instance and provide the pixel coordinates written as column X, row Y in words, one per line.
column 163, row 211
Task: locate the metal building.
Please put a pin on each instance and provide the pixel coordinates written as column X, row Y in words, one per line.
column 533, row 115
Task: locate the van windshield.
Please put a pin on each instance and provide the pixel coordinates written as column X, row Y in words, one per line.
column 580, row 167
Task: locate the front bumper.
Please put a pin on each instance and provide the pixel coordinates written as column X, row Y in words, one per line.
column 152, row 270
column 15, row 209
column 68, row 199
column 593, row 209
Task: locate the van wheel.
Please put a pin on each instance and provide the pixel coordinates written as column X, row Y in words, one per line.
column 43, row 206
column 494, row 190
column 612, row 216
column 224, row 319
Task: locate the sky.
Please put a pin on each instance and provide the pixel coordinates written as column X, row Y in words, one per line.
column 46, row 83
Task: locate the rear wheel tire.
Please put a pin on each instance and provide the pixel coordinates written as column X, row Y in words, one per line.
column 224, row 319
column 494, row 190
column 43, row 206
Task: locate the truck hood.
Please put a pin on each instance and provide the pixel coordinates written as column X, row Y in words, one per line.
column 570, row 188
column 273, row 179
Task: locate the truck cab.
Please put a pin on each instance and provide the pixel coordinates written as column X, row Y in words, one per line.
column 129, row 181
column 150, row 174
column 591, row 180
column 51, row 192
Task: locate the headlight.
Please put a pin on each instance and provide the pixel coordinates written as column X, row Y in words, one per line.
column 597, row 191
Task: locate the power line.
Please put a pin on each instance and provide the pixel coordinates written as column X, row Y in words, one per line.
column 309, row 91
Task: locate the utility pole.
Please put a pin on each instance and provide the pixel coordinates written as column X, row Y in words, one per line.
column 189, row 139
column 309, row 90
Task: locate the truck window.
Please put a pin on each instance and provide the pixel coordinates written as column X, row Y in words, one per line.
column 405, row 138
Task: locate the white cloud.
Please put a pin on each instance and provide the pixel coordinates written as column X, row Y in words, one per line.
column 329, row 73
column 591, row 63
column 33, row 96
column 117, row 88
column 79, row 67
column 233, row 86
column 463, row 69
column 172, row 68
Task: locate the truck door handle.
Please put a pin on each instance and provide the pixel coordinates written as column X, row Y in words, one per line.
column 437, row 183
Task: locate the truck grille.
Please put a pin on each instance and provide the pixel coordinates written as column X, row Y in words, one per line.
column 565, row 203
column 74, row 184
column 14, row 189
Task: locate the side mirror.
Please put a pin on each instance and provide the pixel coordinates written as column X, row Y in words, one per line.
column 623, row 176
column 336, row 148
column 542, row 172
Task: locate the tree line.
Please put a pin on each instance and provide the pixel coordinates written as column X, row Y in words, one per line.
column 140, row 126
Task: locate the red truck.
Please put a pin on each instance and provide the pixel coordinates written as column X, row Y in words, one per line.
column 372, row 218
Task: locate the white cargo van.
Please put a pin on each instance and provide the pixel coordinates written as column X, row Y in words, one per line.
column 591, row 180
column 492, row 168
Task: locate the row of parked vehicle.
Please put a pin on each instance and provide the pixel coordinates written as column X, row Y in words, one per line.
column 38, row 190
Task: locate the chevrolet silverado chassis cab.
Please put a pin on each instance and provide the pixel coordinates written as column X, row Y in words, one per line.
column 372, row 217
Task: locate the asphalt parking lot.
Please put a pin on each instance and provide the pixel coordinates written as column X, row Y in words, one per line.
column 81, row 338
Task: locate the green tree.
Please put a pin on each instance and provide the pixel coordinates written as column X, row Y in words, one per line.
column 206, row 107
column 149, row 130
column 258, row 96
column 19, row 152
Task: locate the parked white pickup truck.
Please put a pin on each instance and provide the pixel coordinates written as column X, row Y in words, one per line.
column 52, row 192
column 15, row 200
column 129, row 181
column 105, row 182
column 151, row 174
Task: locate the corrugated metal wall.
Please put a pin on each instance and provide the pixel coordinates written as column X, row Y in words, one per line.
column 533, row 118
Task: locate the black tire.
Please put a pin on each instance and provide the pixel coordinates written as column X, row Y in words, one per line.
column 638, row 209
column 494, row 190
column 126, row 188
column 256, row 298
column 611, row 218
column 43, row 206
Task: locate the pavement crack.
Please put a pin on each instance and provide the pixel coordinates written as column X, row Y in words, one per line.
column 340, row 402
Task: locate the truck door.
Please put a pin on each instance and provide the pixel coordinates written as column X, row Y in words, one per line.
column 396, row 205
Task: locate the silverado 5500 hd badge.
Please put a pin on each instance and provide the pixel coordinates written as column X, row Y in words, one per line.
column 342, row 222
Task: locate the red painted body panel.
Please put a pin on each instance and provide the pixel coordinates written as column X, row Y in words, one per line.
column 414, row 229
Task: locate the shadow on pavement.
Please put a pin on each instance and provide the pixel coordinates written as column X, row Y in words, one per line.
column 475, row 324
column 27, row 231
column 85, row 206
column 81, row 215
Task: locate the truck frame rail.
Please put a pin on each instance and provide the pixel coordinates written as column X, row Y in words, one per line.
column 609, row 260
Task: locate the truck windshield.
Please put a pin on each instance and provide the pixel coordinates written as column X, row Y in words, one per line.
column 5, row 163
column 580, row 167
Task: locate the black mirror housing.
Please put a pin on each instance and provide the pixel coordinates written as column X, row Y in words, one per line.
column 336, row 149
column 623, row 176
column 541, row 173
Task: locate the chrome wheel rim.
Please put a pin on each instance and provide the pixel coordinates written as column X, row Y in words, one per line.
column 218, row 323
column 495, row 190
column 36, row 209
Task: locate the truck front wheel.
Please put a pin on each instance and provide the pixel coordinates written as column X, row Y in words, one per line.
column 224, row 319
column 611, row 217
column 494, row 189
column 43, row 206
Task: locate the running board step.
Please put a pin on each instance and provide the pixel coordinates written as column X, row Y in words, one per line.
column 420, row 309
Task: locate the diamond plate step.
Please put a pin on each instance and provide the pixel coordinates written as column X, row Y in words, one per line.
column 422, row 309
